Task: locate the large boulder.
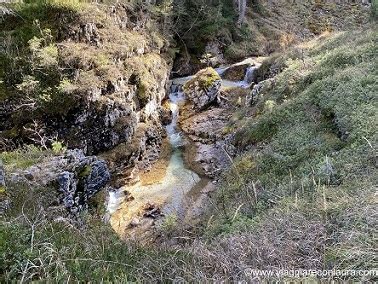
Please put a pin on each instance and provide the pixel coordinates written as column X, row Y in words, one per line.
column 203, row 89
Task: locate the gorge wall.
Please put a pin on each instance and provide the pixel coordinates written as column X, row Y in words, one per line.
column 90, row 76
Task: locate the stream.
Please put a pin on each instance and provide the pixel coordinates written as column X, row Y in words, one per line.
column 173, row 193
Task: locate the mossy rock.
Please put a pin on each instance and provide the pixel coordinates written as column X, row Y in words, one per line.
column 204, row 79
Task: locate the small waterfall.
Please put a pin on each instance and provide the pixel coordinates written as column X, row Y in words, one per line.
column 221, row 70
column 115, row 198
column 247, row 81
column 175, row 99
column 249, row 75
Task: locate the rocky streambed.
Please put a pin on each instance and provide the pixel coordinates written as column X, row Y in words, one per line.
column 179, row 185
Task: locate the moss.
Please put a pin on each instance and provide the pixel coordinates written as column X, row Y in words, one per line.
column 3, row 189
column 85, row 172
column 142, row 93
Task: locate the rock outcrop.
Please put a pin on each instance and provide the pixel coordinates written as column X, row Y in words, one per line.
column 205, row 129
column 82, row 179
column 77, row 177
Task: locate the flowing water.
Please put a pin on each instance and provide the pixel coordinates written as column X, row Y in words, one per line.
column 170, row 191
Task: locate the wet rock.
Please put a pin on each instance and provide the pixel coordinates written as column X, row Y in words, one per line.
column 206, row 126
column 236, row 72
column 203, row 89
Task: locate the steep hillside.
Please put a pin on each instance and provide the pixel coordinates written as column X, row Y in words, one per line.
column 304, row 182
column 276, row 25
column 89, row 76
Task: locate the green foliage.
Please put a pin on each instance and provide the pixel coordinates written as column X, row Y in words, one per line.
column 66, row 86
column 58, row 147
column 211, row 20
column 169, row 224
column 73, row 5
column 374, row 9
column 28, row 86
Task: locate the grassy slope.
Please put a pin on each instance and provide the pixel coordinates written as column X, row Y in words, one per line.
column 304, row 190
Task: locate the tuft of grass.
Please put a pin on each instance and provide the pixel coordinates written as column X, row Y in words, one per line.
column 23, row 158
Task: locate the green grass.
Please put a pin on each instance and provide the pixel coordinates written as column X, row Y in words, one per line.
column 23, row 158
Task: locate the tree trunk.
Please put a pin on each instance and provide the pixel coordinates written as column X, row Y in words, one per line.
column 240, row 7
